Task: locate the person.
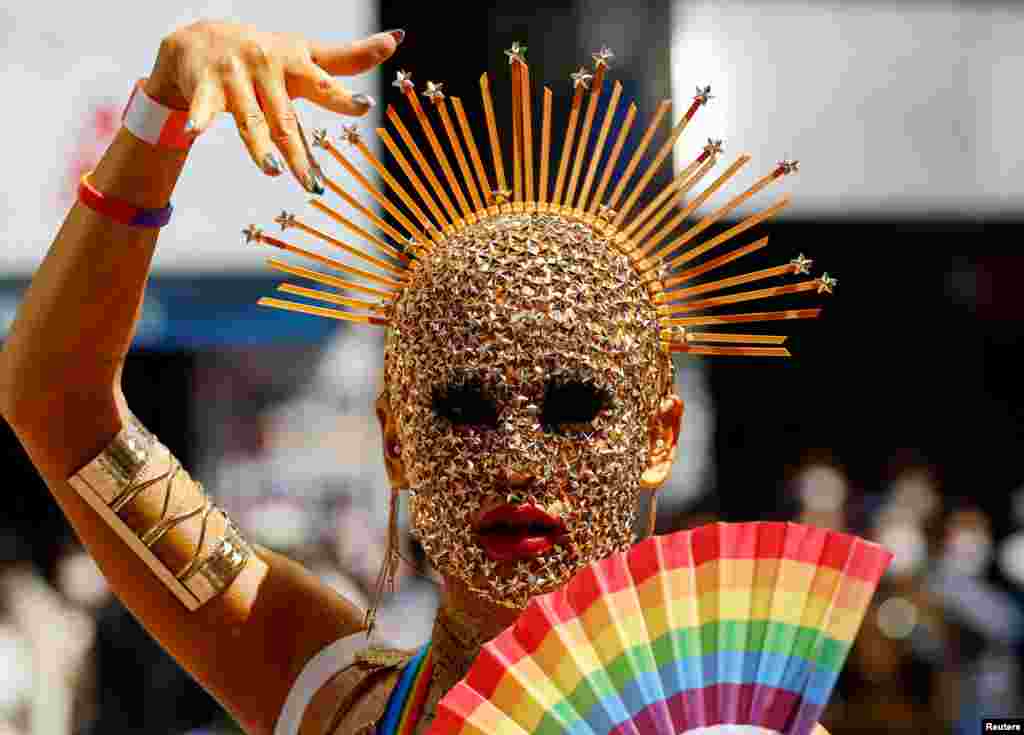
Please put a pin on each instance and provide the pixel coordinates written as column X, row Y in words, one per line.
column 527, row 405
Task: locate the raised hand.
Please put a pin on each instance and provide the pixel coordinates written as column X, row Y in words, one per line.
column 210, row 67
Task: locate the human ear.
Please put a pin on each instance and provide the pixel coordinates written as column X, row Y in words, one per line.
column 392, row 446
column 664, row 438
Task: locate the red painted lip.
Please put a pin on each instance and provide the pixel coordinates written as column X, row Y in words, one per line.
column 511, row 532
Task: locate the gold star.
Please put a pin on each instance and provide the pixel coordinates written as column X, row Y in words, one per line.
column 285, row 219
column 602, row 57
column 403, row 80
column 516, row 53
column 350, row 134
column 826, row 283
column 703, row 95
column 501, row 196
column 581, row 77
column 801, row 264
column 789, row 167
column 433, row 92
column 714, row 147
column 252, row 232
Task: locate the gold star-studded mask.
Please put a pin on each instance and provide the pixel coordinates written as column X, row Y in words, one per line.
column 521, row 291
column 527, row 346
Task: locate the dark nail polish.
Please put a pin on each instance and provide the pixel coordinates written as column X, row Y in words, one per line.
column 314, row 185
column 272, row 164
column 364, row 100
column 398, row 34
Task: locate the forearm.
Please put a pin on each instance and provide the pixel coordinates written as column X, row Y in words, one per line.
column 77, row 319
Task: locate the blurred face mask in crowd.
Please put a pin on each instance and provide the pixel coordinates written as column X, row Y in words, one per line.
column 968, row 552
column 908, row 545
column 529, row 396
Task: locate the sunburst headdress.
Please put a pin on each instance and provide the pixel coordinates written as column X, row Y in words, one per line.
column 587, row 219
column 651, row 238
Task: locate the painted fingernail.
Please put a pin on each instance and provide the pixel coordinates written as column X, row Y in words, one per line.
column 272, row 164
column 364, row 100
column 398, row 34
column 313, row 184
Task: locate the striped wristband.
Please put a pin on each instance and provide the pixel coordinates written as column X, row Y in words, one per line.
column 120, row 210
column 148, row 120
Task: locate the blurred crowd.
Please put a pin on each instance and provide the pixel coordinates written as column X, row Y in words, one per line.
column 940, row 647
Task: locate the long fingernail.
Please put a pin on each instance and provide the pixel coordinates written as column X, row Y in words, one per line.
column 364, row 100
column 398, row 34
column 272, row 164
column 313, row 184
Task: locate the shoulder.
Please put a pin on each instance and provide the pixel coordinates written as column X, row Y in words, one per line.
column 355, row 695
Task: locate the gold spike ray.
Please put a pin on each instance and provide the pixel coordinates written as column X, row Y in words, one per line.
column 596, row 87
column 743, row 226
column 747, row 318
column 602, row 138
column 332, row 298
column 425, row 169
column 666, row 201
column 356, row 229
column 474, row 152
column 440, row 222
column 728, row 207
column 329, row 280
column 762, row 293
column 435, row 145
column 638, row 154
column 580, row 79
column 737, row 351
column 289, row 220
column 492, row 131
column 372, row 216
column 711, row 265
column 613, row 158
column 765, row 339
column 515, row 66
column 320, row 311
column 545, row 151
column 527, row 126
column 460, row 156
column 707, row 153
column 672, row 297
column 654, row 244
column 379, row 197
column 254, row 234
column 663, row 153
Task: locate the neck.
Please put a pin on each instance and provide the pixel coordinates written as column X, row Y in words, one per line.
column 463, row 624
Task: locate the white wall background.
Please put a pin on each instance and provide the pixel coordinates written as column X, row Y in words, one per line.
column 60, row 61
column 893, row 108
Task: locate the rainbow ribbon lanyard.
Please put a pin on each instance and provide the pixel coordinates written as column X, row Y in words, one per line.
column 407, row 698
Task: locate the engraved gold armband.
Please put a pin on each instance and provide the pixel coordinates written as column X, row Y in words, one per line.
column 136, row 462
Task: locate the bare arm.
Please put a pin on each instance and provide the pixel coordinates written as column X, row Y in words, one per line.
column 61, row 364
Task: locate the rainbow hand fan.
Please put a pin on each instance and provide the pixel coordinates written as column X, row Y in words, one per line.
column 726, row 628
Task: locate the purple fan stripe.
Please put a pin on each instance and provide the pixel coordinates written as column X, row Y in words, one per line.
column 756, row 704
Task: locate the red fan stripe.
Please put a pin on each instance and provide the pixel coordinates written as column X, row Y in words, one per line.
column 487, row 671
column 758, row 540
column 644, row 560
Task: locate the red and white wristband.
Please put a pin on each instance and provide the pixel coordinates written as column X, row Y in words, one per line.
column 148, row 120
column 153, row 123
